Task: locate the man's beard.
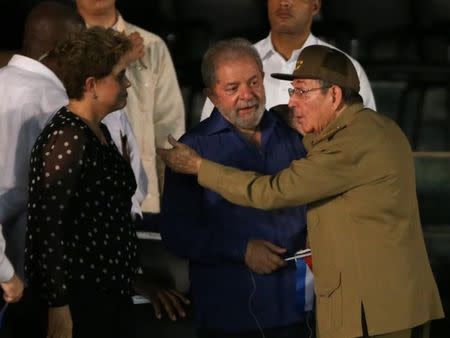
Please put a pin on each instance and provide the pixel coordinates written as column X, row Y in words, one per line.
column 249, row 123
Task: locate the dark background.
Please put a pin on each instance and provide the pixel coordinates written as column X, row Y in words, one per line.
column 402, row 44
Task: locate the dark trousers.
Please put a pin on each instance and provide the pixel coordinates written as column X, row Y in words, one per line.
column 421, row 331
column 103, row 317
column 299, row 330
column 93, row 316
column 23, row 319
column 149, row 222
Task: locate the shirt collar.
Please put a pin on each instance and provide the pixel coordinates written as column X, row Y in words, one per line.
column 311, row 40
column 217, row 123
column 31, row 65
column 120, row 23
column 267, row 49
column 119, row 26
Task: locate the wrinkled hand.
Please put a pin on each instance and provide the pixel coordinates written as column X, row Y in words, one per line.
column 59, row 322
column 171, row 300
column 181, row 158
column 263, row 257
column 137, row 50
column 12, row 289
column 161, row 298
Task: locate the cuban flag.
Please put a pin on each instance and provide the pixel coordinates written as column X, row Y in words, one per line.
column 304, row 284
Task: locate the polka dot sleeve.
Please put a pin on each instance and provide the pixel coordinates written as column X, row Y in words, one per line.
column 56, row 164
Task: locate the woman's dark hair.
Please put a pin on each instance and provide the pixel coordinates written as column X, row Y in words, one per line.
column 88, row 52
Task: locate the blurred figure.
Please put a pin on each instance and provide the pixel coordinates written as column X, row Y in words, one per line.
column 155, row 105
column 290, row 32
column 81, row 250
column 30, row 93
column 225, row 243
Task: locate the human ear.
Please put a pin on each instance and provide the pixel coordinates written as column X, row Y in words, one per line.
column 336, row 93
column 209, row 93
column 90, row 87
column 317, row 4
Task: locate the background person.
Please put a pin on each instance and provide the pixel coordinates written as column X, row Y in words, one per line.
column 30, row 93
column 290, row 32
column 155, row 106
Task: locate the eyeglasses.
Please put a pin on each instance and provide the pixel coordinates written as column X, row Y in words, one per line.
column 302, row 92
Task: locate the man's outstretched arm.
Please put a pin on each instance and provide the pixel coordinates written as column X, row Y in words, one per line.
column 181, row 158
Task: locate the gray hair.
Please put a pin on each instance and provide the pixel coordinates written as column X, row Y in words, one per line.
column 232, row 49
column 348, row 96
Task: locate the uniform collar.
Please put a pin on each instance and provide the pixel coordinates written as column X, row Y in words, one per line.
column 340, row 123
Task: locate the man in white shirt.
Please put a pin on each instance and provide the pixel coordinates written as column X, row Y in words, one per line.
column 155, row 106
column 30, row 93
column 123, row 136
column 290, row 23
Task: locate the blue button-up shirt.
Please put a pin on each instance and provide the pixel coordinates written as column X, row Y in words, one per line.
column 200, row 225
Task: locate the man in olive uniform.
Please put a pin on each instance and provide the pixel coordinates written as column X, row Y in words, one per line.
column 372, row 273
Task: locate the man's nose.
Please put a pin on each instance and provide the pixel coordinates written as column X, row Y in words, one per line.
column 285, row 3
column 246, row 92
column 292, row 103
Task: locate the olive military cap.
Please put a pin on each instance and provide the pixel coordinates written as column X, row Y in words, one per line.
column 326, row 64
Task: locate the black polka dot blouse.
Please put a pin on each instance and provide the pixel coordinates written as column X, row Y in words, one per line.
column 79, row 234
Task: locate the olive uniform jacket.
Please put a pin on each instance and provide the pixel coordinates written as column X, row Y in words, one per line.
column 363, row 222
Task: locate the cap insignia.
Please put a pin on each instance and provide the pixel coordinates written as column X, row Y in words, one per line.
column 298, row 65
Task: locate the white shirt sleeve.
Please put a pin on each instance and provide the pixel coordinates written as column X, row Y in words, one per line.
column 136, row 165
column 365, row 90
column 6, row 268
column 118, row 125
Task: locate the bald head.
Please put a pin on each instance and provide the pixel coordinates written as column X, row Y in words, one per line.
column 47, row 24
